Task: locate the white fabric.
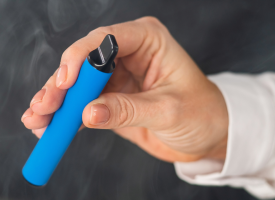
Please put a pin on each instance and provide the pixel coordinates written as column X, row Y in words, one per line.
column 250, row 157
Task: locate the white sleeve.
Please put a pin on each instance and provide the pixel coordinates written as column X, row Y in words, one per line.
column 250, row 156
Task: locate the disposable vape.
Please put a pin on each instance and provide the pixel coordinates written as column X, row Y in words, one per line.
column 93, row 76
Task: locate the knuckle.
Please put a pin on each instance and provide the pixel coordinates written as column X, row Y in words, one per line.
column 126, row 111
column 154, row 23
column 152, row 20
column 155, row 27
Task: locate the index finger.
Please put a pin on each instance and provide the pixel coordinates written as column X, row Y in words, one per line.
column 129, row 36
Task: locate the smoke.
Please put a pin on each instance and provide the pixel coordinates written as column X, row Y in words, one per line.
column 65, row 13
column 32, row 39
column 220, row 35
column 23, row 49
column 33, row 36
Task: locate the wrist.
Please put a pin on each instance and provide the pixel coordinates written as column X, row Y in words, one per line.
column 220, row 123
column 219, row 151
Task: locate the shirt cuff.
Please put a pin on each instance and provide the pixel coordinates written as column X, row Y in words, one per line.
column 250, row 103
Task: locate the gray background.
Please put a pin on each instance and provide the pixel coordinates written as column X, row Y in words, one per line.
column 221, row 35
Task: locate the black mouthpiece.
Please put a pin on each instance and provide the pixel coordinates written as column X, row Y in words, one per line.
column 103, row 57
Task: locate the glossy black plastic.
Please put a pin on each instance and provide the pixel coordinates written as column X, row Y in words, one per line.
column 103, row 57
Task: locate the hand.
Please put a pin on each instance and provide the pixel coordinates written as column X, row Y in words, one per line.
column 157, row 97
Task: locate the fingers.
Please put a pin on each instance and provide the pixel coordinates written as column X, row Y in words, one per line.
column 74, row 56
column 48, row 99
column 34, row 121
column 39, row 132
column 38, row 123
column 117, row 110
column 130, row 37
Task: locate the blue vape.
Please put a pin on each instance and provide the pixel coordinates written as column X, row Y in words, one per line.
column 93, row 76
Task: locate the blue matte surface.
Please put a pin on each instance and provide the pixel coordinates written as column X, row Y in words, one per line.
column 64, row 125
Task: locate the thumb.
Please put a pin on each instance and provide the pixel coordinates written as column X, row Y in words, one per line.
column 117, row 110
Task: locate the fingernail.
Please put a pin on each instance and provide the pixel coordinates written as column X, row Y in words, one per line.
column 61, row 75
column 100, row 114
column 38, row 96
column 28, row 113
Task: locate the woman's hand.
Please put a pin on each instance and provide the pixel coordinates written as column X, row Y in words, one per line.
column 157, row 97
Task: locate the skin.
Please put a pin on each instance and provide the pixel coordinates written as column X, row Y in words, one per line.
column 157, row 97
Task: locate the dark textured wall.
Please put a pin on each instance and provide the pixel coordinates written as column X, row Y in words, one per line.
column 220, row 35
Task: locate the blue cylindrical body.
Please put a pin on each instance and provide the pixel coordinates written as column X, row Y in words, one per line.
column 64, row 125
